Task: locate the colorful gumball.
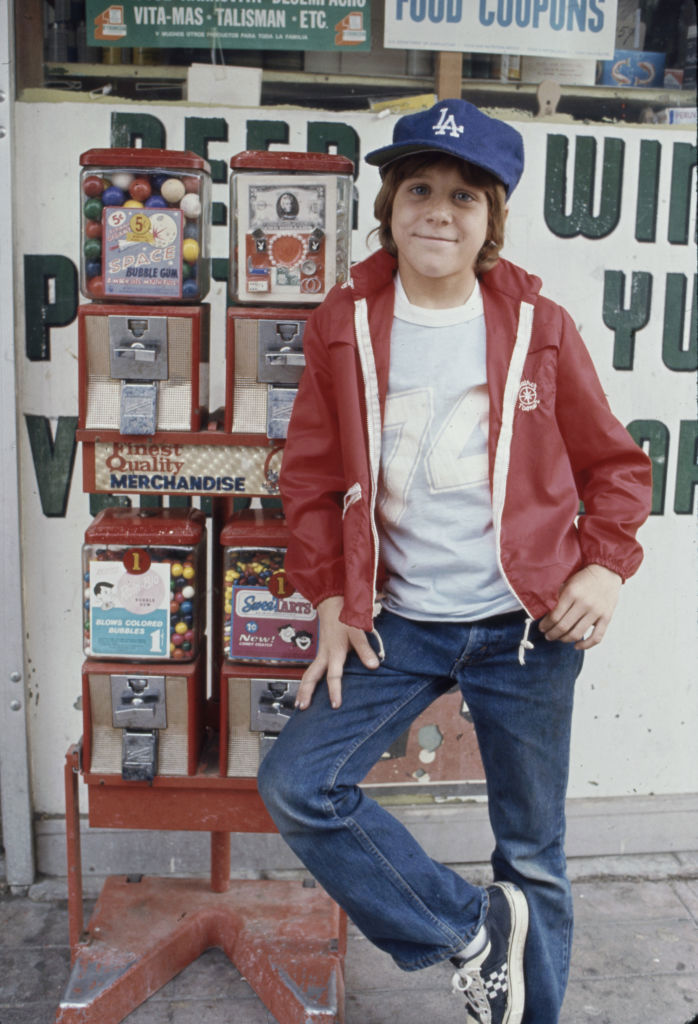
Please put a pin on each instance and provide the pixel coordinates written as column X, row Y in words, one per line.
column 140, row 189
column 191, row 206
column 172, row 190
column 93, row 249
column 92, row 185
column 113, row 196
column 122, row 180
column 93, row 209
column 190, row 250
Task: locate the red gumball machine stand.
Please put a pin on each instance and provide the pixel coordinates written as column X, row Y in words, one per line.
column 155, row 721
column 288, row 939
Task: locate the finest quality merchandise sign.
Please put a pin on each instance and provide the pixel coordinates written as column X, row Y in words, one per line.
column 541, row 28
column 232, row 24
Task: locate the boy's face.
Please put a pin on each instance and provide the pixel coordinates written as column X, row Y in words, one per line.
column 439, row 225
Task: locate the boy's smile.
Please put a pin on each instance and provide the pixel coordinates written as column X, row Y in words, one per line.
column 439, row 224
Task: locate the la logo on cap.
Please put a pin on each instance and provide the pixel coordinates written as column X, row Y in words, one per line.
column 447, row 124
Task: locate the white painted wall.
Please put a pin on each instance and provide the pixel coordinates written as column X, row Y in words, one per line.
column 638, row 694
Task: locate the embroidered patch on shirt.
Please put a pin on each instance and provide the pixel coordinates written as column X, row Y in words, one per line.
column 528, row 396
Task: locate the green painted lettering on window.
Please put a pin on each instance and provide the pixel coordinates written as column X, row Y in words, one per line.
column 42, row 311
column 581, row 220
column 655, row 435
column 198, row 132
column 334, row 137
column 261, row 134
column 53, row 459
column 626, row 322
column 686, row 468
column 220, row 268
column 647, row 191
column 682, row 189
column 674, row 354
column 146, row 130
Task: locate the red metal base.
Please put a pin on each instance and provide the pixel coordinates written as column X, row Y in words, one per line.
column 287, row 940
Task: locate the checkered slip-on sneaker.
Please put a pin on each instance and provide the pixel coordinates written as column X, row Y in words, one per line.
column 493, row 980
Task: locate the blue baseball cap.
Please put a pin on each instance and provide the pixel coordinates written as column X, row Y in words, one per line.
column 458, row 128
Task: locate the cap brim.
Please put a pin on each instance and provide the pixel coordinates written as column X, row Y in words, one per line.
column 382, row 157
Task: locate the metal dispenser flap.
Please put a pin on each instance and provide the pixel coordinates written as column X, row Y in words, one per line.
column 138, row 409
column 279, row 405
column 271, row 703
column 138, row 702
column 280, row 358
column 138, row 347
column 139, row 755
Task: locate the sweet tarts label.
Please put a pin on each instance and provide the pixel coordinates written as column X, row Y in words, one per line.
column 129, row 613
column 269, row 628
column 142, row 252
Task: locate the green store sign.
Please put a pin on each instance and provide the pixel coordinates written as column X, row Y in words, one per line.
column 341, row 25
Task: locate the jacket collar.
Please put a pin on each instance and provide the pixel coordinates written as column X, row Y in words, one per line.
column 373, row 274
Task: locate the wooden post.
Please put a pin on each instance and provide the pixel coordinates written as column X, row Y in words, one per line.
column 29, row 45
column 449, row 74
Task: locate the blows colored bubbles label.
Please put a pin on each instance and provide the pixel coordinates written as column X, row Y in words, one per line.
column 129, row 613
column 142, row 252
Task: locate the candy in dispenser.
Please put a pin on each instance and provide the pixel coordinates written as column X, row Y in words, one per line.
column 290, row 226
column 145, row 225
column 144, row 580
column 264, row 619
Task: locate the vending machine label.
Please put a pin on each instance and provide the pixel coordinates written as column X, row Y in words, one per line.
column 143, row 252
column 129, row 610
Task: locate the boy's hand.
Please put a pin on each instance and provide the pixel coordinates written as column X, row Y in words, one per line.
column 584, row 608
column 336, row 640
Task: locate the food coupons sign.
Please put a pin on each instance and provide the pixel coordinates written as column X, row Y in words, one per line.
column 232, row 24
column 544, row 28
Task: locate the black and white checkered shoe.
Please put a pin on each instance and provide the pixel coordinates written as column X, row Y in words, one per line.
column 493, row 980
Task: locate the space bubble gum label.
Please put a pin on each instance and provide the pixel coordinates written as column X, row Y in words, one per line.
column 143, row 252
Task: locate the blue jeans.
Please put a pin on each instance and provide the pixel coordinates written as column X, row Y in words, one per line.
column 417, row 910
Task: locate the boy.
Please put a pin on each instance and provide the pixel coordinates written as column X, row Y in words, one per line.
column 449, row 420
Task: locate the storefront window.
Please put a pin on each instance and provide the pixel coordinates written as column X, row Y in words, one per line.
column 652, row 73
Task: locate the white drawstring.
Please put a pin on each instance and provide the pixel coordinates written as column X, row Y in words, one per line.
column 352, row 495
column 525, row 644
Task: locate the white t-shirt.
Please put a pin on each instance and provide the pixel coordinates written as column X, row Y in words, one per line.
column 434, row 509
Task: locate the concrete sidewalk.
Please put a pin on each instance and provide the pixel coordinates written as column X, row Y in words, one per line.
column 635, row 958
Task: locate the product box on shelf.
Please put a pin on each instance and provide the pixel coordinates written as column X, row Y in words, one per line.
column 264, row 363
column 141, row 721
column 142, row 369
column 144, row 225
column 144, row 578
column 290, row 226
column 264, row 619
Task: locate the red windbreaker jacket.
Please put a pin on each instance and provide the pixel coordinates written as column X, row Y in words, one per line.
column 552, row 441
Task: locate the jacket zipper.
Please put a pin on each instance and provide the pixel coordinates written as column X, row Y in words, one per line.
column 506, row 433
column 373, row 420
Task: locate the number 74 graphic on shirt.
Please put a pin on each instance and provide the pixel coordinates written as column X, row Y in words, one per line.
column 454, row 460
